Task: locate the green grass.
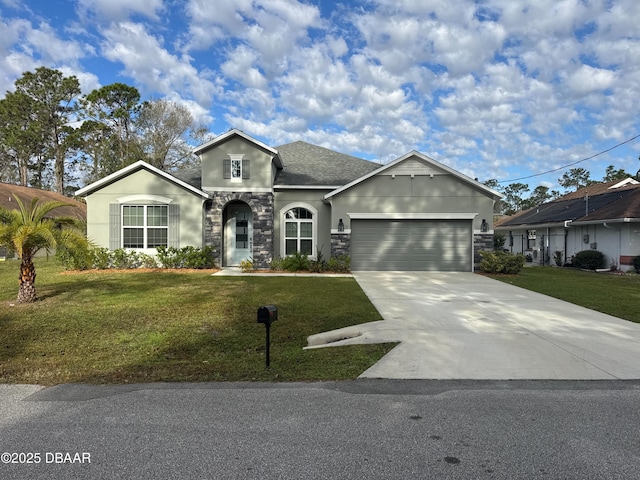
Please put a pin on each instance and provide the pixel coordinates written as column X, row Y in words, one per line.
column 617, row 295
column 106, row 327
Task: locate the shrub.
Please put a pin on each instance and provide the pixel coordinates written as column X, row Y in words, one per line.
column 636, row 264
column 499, row 240
column 276, row 264
column 247, row 265
column 557, row 257
column 340, row 264
column 588, row 259
column 501, row 262
column 100, row 258
column 186, row 257
column 73, row 259
column 124, row 259
column 296, row 263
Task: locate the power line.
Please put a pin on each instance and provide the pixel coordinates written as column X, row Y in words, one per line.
column 570, row 164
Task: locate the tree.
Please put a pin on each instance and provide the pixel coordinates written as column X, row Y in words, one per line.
column 52, row 106
column 162, row 128
column 540, row 195
column 612, row 174
column 113, row 109
column 20, row 134
column 513, row 197
column 28, row 230
column 576, row 178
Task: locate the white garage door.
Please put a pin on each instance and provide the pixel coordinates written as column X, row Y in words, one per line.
column 412, row 245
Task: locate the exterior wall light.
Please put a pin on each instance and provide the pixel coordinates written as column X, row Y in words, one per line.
column 340, row 225
column 484, row 227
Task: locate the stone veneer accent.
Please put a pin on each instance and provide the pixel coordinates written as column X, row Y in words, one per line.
column 481, row 241
column 340, row 244
column 263, row 217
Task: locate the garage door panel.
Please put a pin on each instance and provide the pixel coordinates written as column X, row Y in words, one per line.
column 411, row 245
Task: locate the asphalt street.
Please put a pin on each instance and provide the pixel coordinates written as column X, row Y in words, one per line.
column 360, row 429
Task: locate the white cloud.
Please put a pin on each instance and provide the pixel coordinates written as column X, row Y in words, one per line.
column 152, row 66
column 586, row 79
column 118, row 10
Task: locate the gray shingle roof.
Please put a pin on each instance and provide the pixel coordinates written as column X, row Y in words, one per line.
column 307, row 164
column 618, row 203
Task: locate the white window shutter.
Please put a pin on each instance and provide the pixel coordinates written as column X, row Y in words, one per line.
column 245, row 169
column 173, row 236
column 114, row 226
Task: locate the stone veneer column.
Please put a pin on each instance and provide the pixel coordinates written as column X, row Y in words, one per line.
column 263, row 219
column 481, row 241
column 340, row 244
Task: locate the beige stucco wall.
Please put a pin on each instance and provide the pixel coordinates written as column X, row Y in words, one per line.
column 144, row 184
column 313, row 198
column 261, row 169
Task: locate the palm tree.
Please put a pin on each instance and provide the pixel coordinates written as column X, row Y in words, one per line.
column 28, row 230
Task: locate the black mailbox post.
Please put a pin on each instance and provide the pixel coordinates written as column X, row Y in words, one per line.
column 267, row 315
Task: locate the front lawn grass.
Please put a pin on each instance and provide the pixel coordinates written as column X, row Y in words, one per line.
column 617, row 295
column 106, row 327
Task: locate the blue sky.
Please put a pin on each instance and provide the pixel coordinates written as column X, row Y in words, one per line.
column 494, row 88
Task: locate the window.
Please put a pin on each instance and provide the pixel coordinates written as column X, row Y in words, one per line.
column 145, row 226
column 531, row 239
column 298, row 231
column 236, row 169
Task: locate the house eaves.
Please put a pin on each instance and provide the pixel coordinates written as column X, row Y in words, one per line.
column 134, row 167
column 531, row 226
column 305, row 187
column 235, row 132
column 494, row 194
column 605, row 221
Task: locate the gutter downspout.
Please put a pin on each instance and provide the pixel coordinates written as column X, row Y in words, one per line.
column 604, row 224
column 566, row 236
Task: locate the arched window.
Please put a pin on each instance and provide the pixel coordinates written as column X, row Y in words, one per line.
column 299, row 231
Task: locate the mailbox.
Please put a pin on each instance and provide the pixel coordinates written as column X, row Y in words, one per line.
column 267, row 314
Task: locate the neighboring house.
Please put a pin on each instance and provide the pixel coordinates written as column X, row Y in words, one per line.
column 603, row 216
column 253, row 201
column 26, row 195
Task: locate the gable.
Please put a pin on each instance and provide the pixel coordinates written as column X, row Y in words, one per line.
column 124, row 173
column 414, row 164
column 257, row 166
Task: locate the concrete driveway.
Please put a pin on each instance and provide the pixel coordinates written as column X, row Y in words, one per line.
column 466, row 326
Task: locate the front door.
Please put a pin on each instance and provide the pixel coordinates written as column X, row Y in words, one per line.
column 238, row 233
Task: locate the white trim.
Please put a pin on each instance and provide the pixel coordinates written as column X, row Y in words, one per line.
column 480, row 232
column 237, row 189
column 336, row 231
column 134, row 167
column 234, row 131
column 626, row 181
column 283, row 227
column 412, row 216
column 305, row 187
column 145, row 227
column 144, row 198
column 496, row 195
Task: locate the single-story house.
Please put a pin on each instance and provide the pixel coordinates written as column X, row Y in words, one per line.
column 8, row 192
column 602, row 216
column 253, row 201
